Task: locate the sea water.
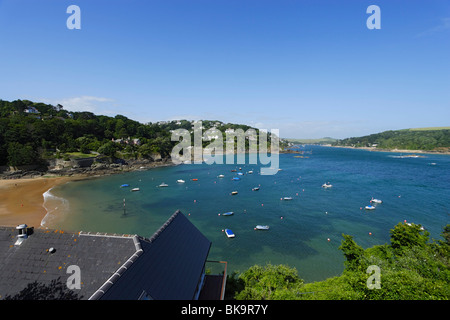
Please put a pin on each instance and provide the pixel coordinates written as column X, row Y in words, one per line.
column 304, row 232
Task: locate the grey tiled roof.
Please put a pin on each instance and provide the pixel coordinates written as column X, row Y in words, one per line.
column 166, row 266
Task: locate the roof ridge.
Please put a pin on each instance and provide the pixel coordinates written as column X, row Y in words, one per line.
column 119, row 272
column 162, row 228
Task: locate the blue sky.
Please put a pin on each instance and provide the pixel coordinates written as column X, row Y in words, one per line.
column 308, row 68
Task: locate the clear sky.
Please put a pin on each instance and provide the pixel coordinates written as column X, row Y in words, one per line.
column 309, row 68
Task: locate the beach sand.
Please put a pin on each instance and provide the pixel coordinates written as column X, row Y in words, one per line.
column 21, row 200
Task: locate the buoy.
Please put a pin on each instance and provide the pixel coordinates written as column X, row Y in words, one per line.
column 262, row 204
column 370, row 233
column 195, row 200
column 281, row 218
column 328, row 239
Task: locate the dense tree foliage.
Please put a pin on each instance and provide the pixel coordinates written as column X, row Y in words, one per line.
column 32, row 132
column 411, row 267
column 430, row 140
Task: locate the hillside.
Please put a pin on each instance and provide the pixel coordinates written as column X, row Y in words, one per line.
column 36, row 134
column 325, row 140
column 424, row 139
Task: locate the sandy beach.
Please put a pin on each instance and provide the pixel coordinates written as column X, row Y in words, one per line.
column 21, row 200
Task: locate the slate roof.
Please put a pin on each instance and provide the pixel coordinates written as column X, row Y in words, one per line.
column 166, row 266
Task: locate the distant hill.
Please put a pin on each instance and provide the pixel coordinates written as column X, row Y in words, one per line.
column 325, row 140
column 435, row 139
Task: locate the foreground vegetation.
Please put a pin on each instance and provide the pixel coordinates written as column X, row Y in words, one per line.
column 411, row 267
column 426, row 139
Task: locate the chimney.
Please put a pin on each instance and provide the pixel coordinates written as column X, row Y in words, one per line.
column 22, row 234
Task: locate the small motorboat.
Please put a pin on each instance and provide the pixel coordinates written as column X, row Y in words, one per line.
column 236, row 178
column 287, row 198
column 260, row 227
column 240, row 173
column 194, row 179
column 327, row 185
column 250, row 172
column 220, row 176
column 234, row 193
column 376, row 200
column 369, row 207
column 162, row 185
column 180, row 181
column 226, row 214
column 255, row 189
column 234, row 170
column 135, row 189
column 125, row 185
column 229, row 233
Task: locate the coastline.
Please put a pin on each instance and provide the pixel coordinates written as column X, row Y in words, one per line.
column 391, row 150
column 22, row 200
column 22, row 195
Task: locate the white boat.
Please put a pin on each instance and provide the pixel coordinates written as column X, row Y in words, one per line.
column 227, row 213
column 255, row 189
column 163, row 185
column 180, row 181
column 327, row 185
column 220, row 176
column 229, row 233
column 234, row 193
column 260, row 227
column 369, row 207
column 250, row 172
column 287, row 198
column 376, row 200
column 135, row 189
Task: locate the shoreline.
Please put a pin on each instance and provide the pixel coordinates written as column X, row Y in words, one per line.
column 22, row 196
column 22, row 200
column 390, row 150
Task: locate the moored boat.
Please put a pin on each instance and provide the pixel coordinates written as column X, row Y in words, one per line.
column 180, row 181
column 234, row 193
column 369, row 207
column 229, row 233
column 226, row 214
column 135, row 189
column 260, row 227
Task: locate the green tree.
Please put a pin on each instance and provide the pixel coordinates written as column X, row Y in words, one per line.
column 19, row 155
column 272, row 282
column 407, row 235
column 352, row 252
column 108, row 149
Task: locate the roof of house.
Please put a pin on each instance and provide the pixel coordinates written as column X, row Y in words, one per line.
column 166, row 266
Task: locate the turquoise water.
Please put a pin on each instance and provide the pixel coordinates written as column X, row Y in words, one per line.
column 305, row 232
